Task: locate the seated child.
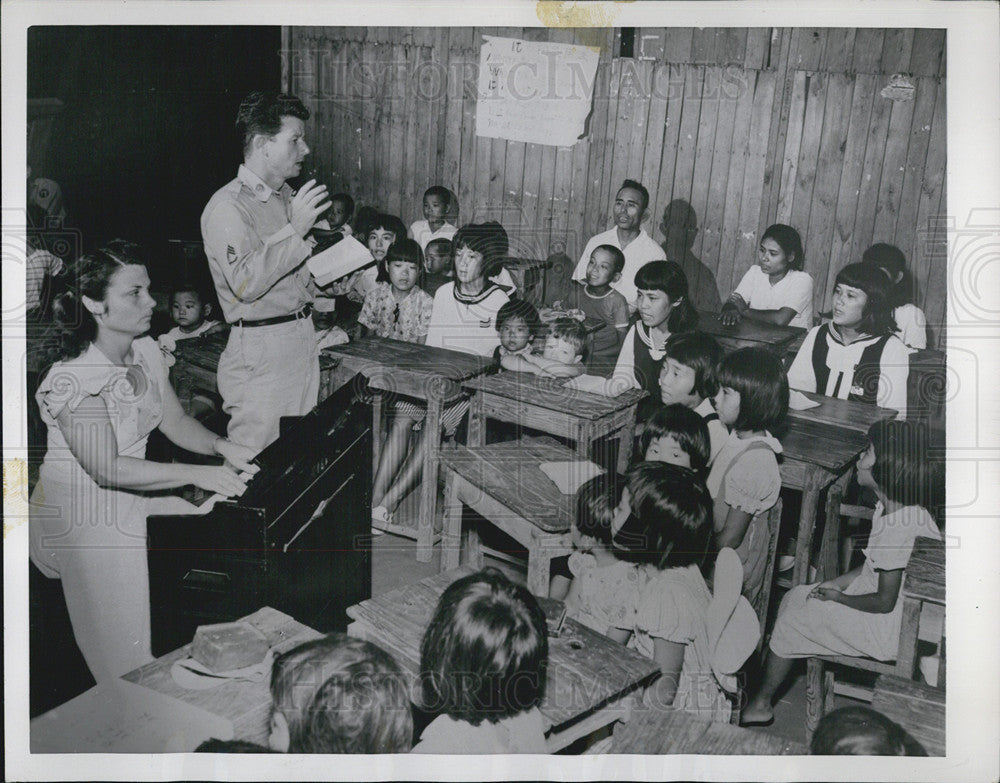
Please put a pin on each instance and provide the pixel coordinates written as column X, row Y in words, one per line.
column 605, row 589
column 776, row 290
column 190, row 311
column 910, row 321
column 483, row 663
column 437, row 265
column 664, row 309
column 744, row 480
column 339, row 694
column 382, row 233
column 862, row 731
column 597, row 299
column 562, row 356
column 859, row 613
column 435, row 225
column 517, row 324
column 688, row 379
column 397, row 308
column 337, row 219
column 857, row 356
column 664, row 524
column 678, row 436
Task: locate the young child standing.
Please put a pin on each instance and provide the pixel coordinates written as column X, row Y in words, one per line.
column 910, row 321
column 664, row 309
column 775, row 290
column 604, row 592
column 517, row 325
column 744, row 480
column 676, row 435
column 688, row 378
column 338, row 694
column 483, row 663
column 597, row 299
column 397, row 308
column 859, row 613
column 435, row 225
column 857, row 356
column 664, row 522
column 437, row 265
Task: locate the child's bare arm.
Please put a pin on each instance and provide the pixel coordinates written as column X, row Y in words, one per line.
column 518, row 363
column 733, row 528
column 841, row 582
column 670, row 657
column 559, row 369
column 880, row 602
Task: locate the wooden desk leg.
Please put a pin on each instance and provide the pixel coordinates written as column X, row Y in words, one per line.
column 626, row 436
column 807, row 522
column 451, row 529
column 376, row 432
column 906, row 656
column 584, row 438
column 476, row 434
column 829, row 550
column 538, row 569
column 428, row 486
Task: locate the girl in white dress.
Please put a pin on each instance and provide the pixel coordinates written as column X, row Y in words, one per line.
column 100, row 400
column 859, row 613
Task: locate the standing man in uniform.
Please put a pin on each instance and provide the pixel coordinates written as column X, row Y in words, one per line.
column 255, row 230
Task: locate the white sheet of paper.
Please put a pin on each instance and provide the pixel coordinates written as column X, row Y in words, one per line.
column 570, row 476
column 338, row 260
column 797, row 401
column 122, row 717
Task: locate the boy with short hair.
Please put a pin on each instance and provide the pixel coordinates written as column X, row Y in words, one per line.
column 562, row 356
column 517, row 325
column 688, row 378
column 597, row 299
column 437, row 265
column 437, row 202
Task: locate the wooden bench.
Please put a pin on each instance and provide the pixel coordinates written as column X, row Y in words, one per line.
column 918, row 708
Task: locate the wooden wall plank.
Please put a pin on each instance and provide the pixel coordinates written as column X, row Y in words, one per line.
column 670, row 83
column 677, row 44
column 530, row 203
column 807, row 48
column 708, row 121
column 893, row 167
column 619, row 113
column 538, row 228
column 596, row 209
column 838, row 49
column 779, row 56
column 793, row 142
column 656, row 119
column 805, row 175
column 905, row 233
column 867, row 54
column 758, row 48
column 562, row 187
column 451, row 160
column 896, row 51
column 927, row 54
column 732, row 46
column 640, row 101
column 703, row 43
column 687, row 142
column 410, row 185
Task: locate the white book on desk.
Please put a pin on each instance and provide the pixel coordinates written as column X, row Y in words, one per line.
column 338, row 260
column 122, row 717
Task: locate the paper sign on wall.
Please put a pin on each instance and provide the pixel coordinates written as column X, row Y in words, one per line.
column 534, row 91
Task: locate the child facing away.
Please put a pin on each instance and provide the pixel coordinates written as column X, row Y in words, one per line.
column 744, row 480
column 483, row 665
column 604, row 590
column 462, row 319
column 688, row 378
column 517, row 324
column 859, row 613
column 775, row 290
column 664, row 525
column 910, row 321
column 562, row 354
column 856, row 356
column 437, row 265
column 435, row 225
column 862, row 731
column 397, row 308
column 338, row 226
column 338, row 694
column 597, row 299
column 664, row 309
column 678, row 436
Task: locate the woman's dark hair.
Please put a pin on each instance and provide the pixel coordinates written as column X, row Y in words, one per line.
column 404, row 250
column 758, row 375
column 789, row 241
column 76, row 325
column 485, row 653
column 671, row 521
column 488, row 239
column 861, row 731
column 519, row 308
column 667, row 276
column 890, row 259
column 903, row 469
column 261, row 113
column 683, row 425
column 701, row 353
column 877, row 318
column 595, row 506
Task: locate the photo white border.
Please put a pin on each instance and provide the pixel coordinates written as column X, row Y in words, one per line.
column 973, row 584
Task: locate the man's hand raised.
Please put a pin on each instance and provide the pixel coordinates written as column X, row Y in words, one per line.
column 307, row 205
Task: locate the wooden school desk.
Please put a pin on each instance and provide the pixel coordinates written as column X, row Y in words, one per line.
column 749, row 333
column 591, row 679
column 820, row 446
column 504, row 483
column 546, row 404
column 924, row 585
column 432, row 375
column 662, row 731
column 918, row 708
